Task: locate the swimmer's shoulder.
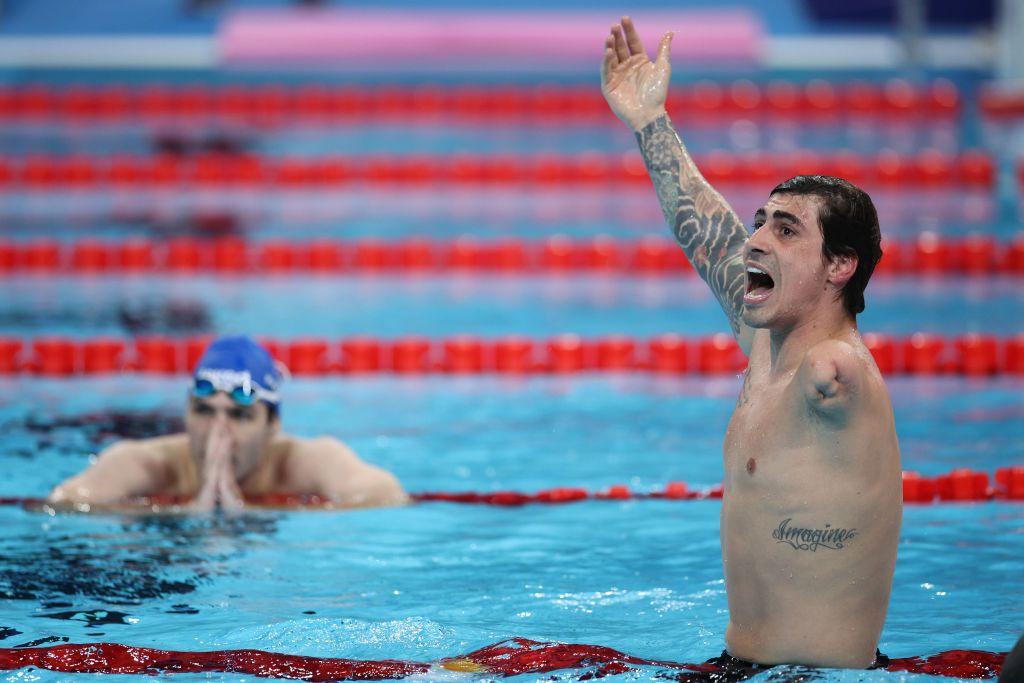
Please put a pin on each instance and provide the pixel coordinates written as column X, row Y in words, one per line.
column 317, row 450
column 328, row 467
column 837, row 375
column 168, row 463
column 300, row 463
column 168, row 455
column 125, row 468
column 850, row 356
column 154, row 451
column 839, row 351
column 168, row 446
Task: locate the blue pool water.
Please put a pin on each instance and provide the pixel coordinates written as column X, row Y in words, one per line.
column 435, row 579
column 463, row 304
column 441, row 212
column 308, row 140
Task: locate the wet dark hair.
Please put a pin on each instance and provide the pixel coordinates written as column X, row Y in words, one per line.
column 849, row 225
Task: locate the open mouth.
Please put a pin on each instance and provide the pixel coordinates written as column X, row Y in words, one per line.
column 759, row 285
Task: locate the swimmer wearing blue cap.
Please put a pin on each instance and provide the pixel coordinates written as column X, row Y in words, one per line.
column 232, row 449
column 813, row 497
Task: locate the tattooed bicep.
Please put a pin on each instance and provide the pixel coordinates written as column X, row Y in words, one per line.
column 707, row 202
column 728, row 282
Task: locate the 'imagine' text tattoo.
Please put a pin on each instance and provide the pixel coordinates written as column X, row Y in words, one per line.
column 707, row 229
column 812, row 539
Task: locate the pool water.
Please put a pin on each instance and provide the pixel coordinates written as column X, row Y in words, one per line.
column 435, row 580
column 440, row 212
column 434, row 305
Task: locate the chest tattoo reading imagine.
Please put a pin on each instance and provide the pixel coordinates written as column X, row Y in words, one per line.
column 811, row 539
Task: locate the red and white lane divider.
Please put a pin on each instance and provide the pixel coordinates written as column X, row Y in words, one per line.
column 976, row 255
column 706, row 101
column 960, row 485
column 972, row 355
column 999, row 103
column 929, row 169
column 513, row 657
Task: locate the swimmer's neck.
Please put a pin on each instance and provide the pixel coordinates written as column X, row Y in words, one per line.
column 790, row 344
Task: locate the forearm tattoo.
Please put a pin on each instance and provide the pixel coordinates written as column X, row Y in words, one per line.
column 709, row 231
column 801, row 538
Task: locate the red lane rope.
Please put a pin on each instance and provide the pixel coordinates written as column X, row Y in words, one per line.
column 268, row 105
column 973, row 355
column 976, row 255
column 1020, row 175
column 512, row 657
column 1001, row 103
column 960, row 485
column 930, row 169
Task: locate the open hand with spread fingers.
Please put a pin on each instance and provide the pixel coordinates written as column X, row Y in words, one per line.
column 634, row 86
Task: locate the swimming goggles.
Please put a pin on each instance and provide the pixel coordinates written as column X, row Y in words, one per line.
column 236, row 384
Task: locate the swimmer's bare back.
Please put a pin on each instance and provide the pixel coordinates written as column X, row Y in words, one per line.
column 812, row 503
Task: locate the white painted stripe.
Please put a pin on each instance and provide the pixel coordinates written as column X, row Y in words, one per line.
column 875, row 52
column 109, row 52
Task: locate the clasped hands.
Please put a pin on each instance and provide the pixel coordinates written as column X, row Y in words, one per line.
column 219, row 485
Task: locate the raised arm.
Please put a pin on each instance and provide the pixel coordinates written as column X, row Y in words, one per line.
column 709, row 231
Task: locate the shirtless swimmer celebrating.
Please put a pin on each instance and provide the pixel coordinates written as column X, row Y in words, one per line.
column 813, row 497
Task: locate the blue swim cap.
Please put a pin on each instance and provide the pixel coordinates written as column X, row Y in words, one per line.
column 239, row 364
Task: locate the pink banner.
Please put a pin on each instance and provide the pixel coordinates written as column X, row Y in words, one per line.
column 360, row 39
